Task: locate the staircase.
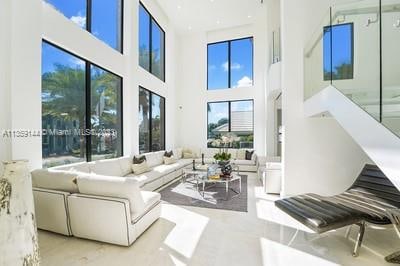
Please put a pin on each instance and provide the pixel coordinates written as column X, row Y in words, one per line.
column 352, row 73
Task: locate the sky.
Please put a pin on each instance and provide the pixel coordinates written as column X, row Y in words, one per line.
column 241, row 64
column 105, row 18
column 220, row 110
column 341, row 46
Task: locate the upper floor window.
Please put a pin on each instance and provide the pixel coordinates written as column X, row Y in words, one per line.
column 151, row 44
column 230, row 64
column 102, row 18
column 338, row 52
column 78, row 97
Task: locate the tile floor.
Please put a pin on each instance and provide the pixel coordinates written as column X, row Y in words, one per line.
column 196, row 236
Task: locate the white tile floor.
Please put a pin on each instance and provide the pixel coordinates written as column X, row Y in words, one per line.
column 195, row 236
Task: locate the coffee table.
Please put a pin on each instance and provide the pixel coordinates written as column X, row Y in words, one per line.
column 202, row 176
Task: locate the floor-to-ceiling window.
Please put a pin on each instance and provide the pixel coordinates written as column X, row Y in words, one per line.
column 230, row 124
column 151, row 121
column 230, row 64
column 102, row 18
column 151, row 44
column 81, row 109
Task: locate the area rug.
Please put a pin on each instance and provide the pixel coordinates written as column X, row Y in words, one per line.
column 186, row 194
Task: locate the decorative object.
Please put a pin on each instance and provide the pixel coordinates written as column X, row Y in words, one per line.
column 194, row 165
column 222, row 157
column 202, row 159
column 226, row 170
column 18, row 232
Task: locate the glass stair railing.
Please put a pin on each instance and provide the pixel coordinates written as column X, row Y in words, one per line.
column 356, row 49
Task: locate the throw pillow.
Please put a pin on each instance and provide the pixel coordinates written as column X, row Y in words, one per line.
column 169, row 160
column 187, row 155
column 241, row 154
column 140, row 168
column 249, row 155
column 139, row 160
column 168, row 154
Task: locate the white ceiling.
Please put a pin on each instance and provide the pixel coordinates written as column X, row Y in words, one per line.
column 208, row 15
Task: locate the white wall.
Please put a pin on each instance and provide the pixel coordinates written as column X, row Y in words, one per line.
column 192, row 94
column 33, row 20
column 319, row 156
column 5, row 147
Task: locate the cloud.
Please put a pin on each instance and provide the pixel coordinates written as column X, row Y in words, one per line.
column 244, row 82
column 80, row 20
column 234, row 66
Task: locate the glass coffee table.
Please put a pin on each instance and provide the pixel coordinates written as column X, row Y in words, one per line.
column 204, row 177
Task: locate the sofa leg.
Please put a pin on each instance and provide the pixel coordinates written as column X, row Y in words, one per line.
column 348, row 231
column 360, row 237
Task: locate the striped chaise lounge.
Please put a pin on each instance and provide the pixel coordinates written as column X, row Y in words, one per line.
column 371, row 199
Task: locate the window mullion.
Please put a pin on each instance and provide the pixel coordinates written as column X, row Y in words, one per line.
column 229, row 65
column 229, row 117
column 150, row 43
column 89, row 15
column 88, row 123
column 150, row 121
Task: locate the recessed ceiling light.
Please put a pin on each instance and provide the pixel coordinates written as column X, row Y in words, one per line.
column 211, row 1
column 179, row 7
column 249, row 16
column 190, row 28
column 218, row 22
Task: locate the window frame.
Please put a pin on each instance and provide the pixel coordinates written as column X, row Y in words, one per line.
column 88, row 26
column 230, row 114
column 230, row 61
column 88, row 105
column 151, row 93
column 151, row 20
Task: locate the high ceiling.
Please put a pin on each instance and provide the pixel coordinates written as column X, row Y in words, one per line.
column 208, row 15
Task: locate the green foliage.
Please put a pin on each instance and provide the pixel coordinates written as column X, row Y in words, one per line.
column 222, row 156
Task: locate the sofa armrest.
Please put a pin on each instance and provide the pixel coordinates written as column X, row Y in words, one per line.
column 262, row 160
column 105, row 219
column 51, row 210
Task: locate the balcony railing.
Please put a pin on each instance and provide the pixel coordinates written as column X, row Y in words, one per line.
column 356, row 49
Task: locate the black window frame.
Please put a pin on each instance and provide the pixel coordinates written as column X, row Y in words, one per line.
column 330, row 29
column 88, row 104
column 230, row 114
column 229, row 42
column 88, row 26
column 151, row 93
column 151, row 20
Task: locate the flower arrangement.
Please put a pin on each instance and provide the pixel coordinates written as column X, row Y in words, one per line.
column 223, row 156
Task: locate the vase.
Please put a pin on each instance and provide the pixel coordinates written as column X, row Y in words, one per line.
column 223, row 162
column 18, row 232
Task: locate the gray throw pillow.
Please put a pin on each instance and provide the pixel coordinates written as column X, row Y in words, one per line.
column 249, row 154
column 139, row 160
column 168, row 154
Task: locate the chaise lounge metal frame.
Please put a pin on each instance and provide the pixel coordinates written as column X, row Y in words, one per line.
column 371, row 199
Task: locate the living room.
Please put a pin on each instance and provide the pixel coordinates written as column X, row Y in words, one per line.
column 199, row 132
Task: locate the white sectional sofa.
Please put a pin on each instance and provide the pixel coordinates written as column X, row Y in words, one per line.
column 104, row 200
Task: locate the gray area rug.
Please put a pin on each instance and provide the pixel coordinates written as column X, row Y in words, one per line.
column 186, row 194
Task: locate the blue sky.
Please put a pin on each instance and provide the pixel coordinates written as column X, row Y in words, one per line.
column 341, row 46
column 241, row 64
column 105, row 17
column 52, row 55
column 220, row 110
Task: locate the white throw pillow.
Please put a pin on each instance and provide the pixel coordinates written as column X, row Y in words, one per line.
column 188, row 155
column 55, row 179
column 111, row 186
column 169, row 160
column 178, row 153
column 241, row 154
column 140, row 168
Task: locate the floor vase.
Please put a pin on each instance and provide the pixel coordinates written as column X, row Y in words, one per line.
column 18, row 232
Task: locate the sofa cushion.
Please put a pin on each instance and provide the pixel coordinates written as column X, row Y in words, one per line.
column 206, row 160
column 154, row 158
column 233, row 153
column 241, row 154
column 169, row 160
column 150, row 199
column 110, row 186
column 109, row 167
column 178, row 152
column 140, row 168
column 209, row 153
column 165, row 169
column 184, row 162
column 188, row 155
column 55, row 180
column 244, row 162
column 77, row 167
column 126, row 165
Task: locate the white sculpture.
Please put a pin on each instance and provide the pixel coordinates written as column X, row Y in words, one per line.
column 18, row 232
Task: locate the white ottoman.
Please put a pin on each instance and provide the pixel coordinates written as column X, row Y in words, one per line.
column 272, row 177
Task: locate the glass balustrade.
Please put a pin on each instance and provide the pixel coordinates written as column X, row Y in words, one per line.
column 356, row 49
